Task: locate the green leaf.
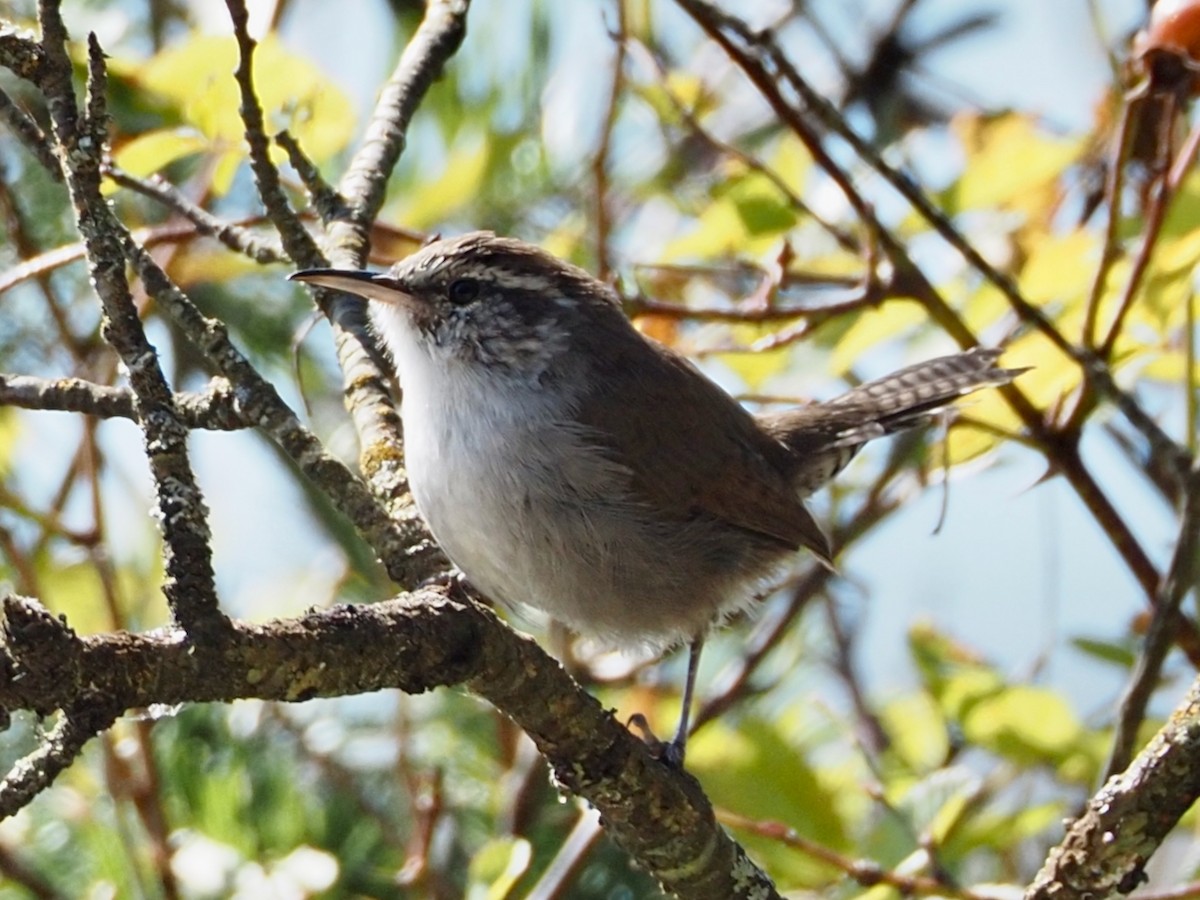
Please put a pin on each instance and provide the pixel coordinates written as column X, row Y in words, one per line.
column 153, row 150
column 762, row 209
column 719, row 232
column 1002, row 832
column 918, row 731
column 1117, row 653
column 678, row 90
column 934, row 805
column 1026, row 724
column 753, row 770
column 1059, row 267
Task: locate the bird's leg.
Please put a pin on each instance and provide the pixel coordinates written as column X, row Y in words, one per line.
column 673, row 753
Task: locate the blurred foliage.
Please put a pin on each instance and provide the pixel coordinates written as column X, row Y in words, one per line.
column 437, row 796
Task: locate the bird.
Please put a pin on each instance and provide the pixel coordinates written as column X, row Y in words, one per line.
column 566, row 462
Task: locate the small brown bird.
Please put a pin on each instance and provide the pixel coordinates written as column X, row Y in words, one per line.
column 565, row 461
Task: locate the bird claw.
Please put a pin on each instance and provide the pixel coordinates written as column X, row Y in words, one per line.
column 669, row 752
column 454, row 583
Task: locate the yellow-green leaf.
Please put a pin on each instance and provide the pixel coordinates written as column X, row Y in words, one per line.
column 1008, row 159
column 1028, row 724
column 873, row 327
column 918, row 731
column 1059, row 268
column 153, row 150
column 497, row 867
column 197, row 76
column 752, row 769
column 718, row 233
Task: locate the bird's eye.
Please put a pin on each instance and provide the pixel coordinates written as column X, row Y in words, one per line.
column 463, row 290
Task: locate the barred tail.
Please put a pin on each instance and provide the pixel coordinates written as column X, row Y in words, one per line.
column 910, row 395
column 823, row 437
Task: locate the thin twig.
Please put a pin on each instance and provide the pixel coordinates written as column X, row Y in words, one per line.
column 1114, row 185
column 435, row 41
column 235, row 236
column 865, row 872
column 18, row 872
column 30, row 134
column 329, row 204
column 1178, row 581
column 559, row 876
column 44, row 263
column 297, row 242
column 602, row 219
column 1156, row 213
column 37, row 771
column 845, row 239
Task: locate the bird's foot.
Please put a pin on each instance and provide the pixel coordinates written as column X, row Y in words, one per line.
column 669, row 752
column 454, row 583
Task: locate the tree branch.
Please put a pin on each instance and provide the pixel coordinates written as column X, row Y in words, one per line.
column 182, row 514
column 297, row 242
column 1106, row 849
column 404, row 546
column 236, row 237
column 30, row 134
column 215, row 409
column 418, row 642
column 1179, row 580
column 365, row 375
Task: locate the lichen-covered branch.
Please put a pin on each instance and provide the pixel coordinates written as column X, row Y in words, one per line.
column 182, row 513
column 365, row 376
column 215, row 409
column 1106, row 849
column 329, row 204
column 22, row 54
column 404, row 547
column 419, row 642
column 435, row 41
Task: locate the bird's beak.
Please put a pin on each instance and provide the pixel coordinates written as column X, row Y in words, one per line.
column 371, row 285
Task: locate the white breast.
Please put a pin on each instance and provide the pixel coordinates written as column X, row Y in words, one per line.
column 483, row 456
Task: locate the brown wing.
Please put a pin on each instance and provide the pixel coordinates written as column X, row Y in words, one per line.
column 691, row 448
